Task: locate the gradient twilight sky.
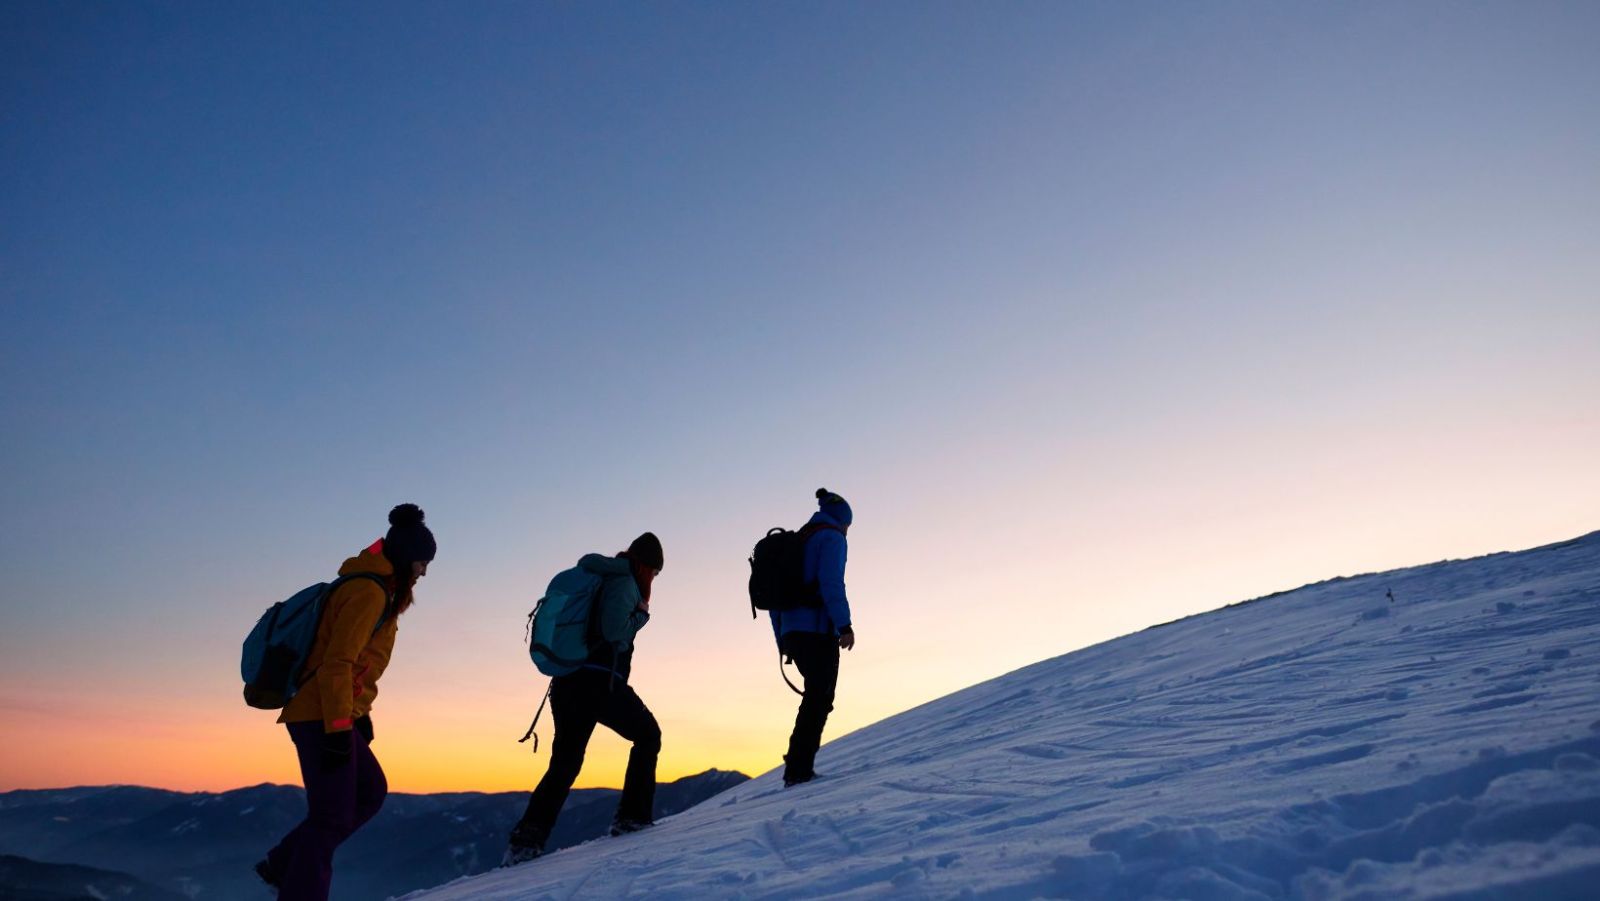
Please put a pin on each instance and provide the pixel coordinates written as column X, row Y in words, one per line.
column 1099, row 314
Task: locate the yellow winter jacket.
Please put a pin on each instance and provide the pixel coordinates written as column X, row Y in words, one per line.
column 348, row 657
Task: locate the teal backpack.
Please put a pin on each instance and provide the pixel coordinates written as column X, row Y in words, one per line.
column 274, row 654
column 559, row 626
column 559, row 629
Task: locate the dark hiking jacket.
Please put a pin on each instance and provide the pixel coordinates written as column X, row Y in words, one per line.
column 826, row 552
column 617, row 617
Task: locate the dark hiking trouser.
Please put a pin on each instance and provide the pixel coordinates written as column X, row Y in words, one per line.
column 816, row 655
column 339, row 802
column 578, row 703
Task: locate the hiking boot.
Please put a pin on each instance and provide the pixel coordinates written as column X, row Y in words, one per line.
column 268, row 874
column 526, row 844
column 797, row 779
column 516, row 854
column 623, row 826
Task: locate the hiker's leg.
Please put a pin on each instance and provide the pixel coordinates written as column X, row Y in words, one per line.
column 330, row 818
column 573, row 707
column 372, row 786
column 626, row 715
column 817, row 657
column 278, row 857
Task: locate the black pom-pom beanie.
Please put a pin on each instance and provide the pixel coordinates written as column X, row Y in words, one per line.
column 408, row 540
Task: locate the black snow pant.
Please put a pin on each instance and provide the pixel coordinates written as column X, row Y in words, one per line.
column 578, row 703
column 816, row 655
column 339, row 801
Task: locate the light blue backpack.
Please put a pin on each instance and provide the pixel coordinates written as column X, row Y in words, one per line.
column 275, row 651
column 558, row 635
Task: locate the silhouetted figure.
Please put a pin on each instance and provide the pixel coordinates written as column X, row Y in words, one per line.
column 811, row 636
column 598, row 694
column 330, row 719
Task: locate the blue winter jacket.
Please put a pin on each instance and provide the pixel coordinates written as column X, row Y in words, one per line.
column 824, row 564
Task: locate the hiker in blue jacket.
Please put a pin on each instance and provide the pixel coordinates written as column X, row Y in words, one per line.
column 813, row 636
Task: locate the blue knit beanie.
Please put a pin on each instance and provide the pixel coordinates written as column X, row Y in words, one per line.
column 834, row 505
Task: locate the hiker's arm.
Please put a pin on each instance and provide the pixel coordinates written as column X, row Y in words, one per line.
column 830, row 578
column 376, row 659
column 637, row 620
column 620, row 616
column 360, row 604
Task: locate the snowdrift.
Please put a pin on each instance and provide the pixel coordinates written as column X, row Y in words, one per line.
column 1327, row 742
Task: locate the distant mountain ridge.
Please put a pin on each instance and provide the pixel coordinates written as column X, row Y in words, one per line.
column 29, row 880
column 202, row 845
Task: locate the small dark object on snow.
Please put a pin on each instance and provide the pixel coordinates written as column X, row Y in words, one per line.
column 623, row 827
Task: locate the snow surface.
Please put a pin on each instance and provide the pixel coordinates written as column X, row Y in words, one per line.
column 1321, row 743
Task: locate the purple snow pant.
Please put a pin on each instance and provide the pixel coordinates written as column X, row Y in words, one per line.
column 340, row 801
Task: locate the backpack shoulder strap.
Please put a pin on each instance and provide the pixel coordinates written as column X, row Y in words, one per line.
column 595, row 635
column 810, row 529
column 388, row 610
column 383, row 585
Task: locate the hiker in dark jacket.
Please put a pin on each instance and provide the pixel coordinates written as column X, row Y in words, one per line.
column 812, row 636
column 330, row 720
column 598, row 694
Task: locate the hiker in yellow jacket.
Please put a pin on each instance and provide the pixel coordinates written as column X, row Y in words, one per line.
column 330, row 721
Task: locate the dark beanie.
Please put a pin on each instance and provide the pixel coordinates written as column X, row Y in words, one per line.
column 646, row 551
column 408, row 541
column 834, row 505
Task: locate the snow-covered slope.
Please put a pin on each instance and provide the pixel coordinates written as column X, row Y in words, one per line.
column 1322, row 743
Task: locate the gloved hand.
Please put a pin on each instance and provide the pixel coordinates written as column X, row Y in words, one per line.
column 847, row 638
column 364, row 726
column 335, row 750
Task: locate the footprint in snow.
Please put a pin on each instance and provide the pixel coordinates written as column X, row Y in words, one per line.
column 1493, row 704
column 1136, row 781
column 1326, row 758
column 1504, row 688
column 1043, row 752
